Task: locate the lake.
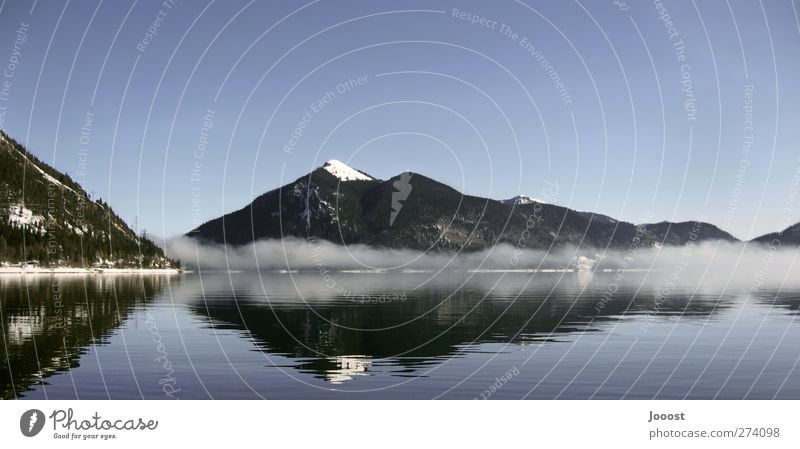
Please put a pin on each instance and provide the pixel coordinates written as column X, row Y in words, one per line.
column 394, row 335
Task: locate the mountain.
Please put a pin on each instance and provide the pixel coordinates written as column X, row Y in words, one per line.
column 47, row 217
column 788, row 237
column 344, row 205
column 681, row 233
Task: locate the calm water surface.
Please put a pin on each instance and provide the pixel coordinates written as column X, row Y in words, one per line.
column 406, row 335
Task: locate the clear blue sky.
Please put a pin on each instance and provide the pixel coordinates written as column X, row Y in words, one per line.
column 593, row 103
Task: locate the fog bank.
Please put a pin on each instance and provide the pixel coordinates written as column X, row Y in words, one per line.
column 708, row 262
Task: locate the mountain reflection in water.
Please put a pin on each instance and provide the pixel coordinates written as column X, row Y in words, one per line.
column 245, row 335
column 48, row 322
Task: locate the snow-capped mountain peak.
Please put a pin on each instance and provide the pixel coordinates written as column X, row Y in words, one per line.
column 344, row 172
column 522, row 199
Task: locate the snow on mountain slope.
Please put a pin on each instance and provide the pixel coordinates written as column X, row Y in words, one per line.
column 44, row 174
column 19, row 216
column 344, row 172
column 522, row 199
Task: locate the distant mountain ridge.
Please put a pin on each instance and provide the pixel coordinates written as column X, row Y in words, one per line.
column 48, row 218
column 788, row 237
column 344, row 205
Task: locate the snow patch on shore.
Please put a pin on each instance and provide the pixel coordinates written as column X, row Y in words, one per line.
column 28, row 269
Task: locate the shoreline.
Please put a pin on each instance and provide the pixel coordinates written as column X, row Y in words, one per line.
column 81, row 270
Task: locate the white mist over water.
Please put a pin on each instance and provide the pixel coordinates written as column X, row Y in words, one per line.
column 710, row 263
